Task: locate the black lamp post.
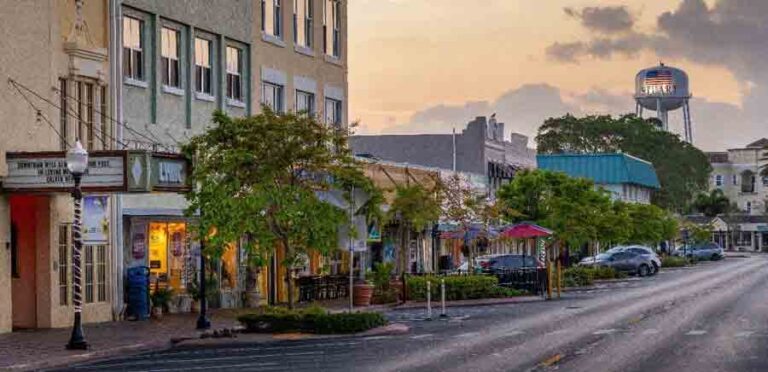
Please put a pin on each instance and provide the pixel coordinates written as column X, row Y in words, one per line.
column 77, row 163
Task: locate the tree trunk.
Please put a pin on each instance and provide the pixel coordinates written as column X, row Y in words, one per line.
column 407, row 248
column 289, row 271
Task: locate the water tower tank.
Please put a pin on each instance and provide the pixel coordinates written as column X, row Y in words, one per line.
column 663, row 89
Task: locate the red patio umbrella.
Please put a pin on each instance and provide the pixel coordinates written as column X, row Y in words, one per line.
column 526, row 230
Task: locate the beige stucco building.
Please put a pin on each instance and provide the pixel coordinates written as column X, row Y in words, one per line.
column 56, row 54
column 741, row 175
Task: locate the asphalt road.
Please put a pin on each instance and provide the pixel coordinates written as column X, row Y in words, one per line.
column 713, row 317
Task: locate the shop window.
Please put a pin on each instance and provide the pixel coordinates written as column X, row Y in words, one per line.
column 167, row 251
column 95, row 269
column 65, row 260
column 229, row 267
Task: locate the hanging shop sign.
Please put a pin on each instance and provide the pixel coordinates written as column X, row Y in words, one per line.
column 138, row 240
column 108, row 171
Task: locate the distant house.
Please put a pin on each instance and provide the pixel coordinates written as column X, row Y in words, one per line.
column 741, row 232
column 626, row 177
column 741, row 175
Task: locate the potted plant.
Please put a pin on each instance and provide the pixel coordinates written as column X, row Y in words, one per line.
column 362, row 292
column 160, row 299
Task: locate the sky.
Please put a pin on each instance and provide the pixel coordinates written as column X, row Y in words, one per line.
column 427, row 66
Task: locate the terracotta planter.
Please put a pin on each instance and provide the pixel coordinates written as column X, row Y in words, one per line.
column 361, row 294
column 157, row 312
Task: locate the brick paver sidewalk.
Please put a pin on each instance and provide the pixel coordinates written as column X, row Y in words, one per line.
column 34, row 349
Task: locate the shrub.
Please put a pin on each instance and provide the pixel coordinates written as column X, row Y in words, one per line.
column 313, row 319
column 673, row 261
column 578, row 276
column 464, row 287
column 606, row 273
column 347, row 322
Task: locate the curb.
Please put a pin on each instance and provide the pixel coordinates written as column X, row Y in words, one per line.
column 264, row 339
column 467, row 303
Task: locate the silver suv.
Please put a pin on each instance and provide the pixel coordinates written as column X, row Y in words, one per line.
column 622, row 260
column 701, row 251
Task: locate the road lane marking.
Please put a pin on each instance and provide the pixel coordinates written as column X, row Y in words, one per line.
column 129, row 363
column 422, row 336
column 374, row 338
column 210, row 367
column 604, row 331
column 745, row 334
column 651, row 331
column 468, row 335
column 696, row 332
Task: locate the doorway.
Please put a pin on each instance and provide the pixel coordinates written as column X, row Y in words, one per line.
column 26, row 240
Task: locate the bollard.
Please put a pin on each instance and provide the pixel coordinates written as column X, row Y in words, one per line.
column 429, row 300
column 442, row 299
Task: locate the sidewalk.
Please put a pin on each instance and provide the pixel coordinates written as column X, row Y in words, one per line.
column 35, row 349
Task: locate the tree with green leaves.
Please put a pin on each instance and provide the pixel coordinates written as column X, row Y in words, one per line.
column 712, row 204
column 261, row 177
column 683, row 170
column 414, row 208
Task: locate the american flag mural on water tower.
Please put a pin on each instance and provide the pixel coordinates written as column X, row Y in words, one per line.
column 659, row 81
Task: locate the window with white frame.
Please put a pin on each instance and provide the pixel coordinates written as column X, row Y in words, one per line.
column 333, row 112
column 95, row 273
column 272, row 96
column 169, row 53
column 332, row 27
column 234, row 74
column 203, row 74
column 65, row 262
column 271, row 17
column 305, row 102
column 133, row 48
column 719, row 180
column 302, row 22
column 85, row 110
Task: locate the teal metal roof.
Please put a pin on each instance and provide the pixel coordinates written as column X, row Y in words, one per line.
column 602, row 168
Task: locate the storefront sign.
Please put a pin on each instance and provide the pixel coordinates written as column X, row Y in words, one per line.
column 47, row 172
column 108, row 171
column 169, row 172
column 96, row 218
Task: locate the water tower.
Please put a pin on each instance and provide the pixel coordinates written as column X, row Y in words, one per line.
column 663, row 89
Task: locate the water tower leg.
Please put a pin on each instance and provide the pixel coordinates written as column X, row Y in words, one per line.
column 659, row 114
column 687, row 122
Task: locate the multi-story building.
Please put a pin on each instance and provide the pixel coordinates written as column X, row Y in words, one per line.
column 625, row 177
column 480, row 149
column 180, row 64
column 741, row 174
column 62, row 89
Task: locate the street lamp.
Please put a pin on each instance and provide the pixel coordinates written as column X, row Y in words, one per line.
column 77, row 163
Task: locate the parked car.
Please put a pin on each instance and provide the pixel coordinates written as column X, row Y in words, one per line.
column 622, row 260
column 511, row 261
column 701, row 251
column 479, row 262
column 641, row 249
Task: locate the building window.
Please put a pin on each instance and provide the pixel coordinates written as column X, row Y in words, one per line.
column 735, row 179
column 332, row 27
column 765, row 181
column 333, row 112
column 203, row 66
column 271, row 17
column 65, row 258
column 63, row 112
column 719, row 180
column 305, row 102
column 133, row 48
column 95, row 273
column 302, row 22
column 272, row 96
column 234, row 74
column 104, row 130
column 85, row 109
column 170, row 57
column 748, row 181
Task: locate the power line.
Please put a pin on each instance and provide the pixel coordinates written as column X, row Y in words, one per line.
column 154, row 141
column 40, row 115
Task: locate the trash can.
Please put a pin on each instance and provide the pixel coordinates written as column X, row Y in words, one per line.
column 138, row 292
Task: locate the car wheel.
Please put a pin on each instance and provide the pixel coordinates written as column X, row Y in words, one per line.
column 643, row 270
column 715, row 257
column 655, row 269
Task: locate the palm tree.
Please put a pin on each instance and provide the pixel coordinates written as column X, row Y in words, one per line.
column 712, row 204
